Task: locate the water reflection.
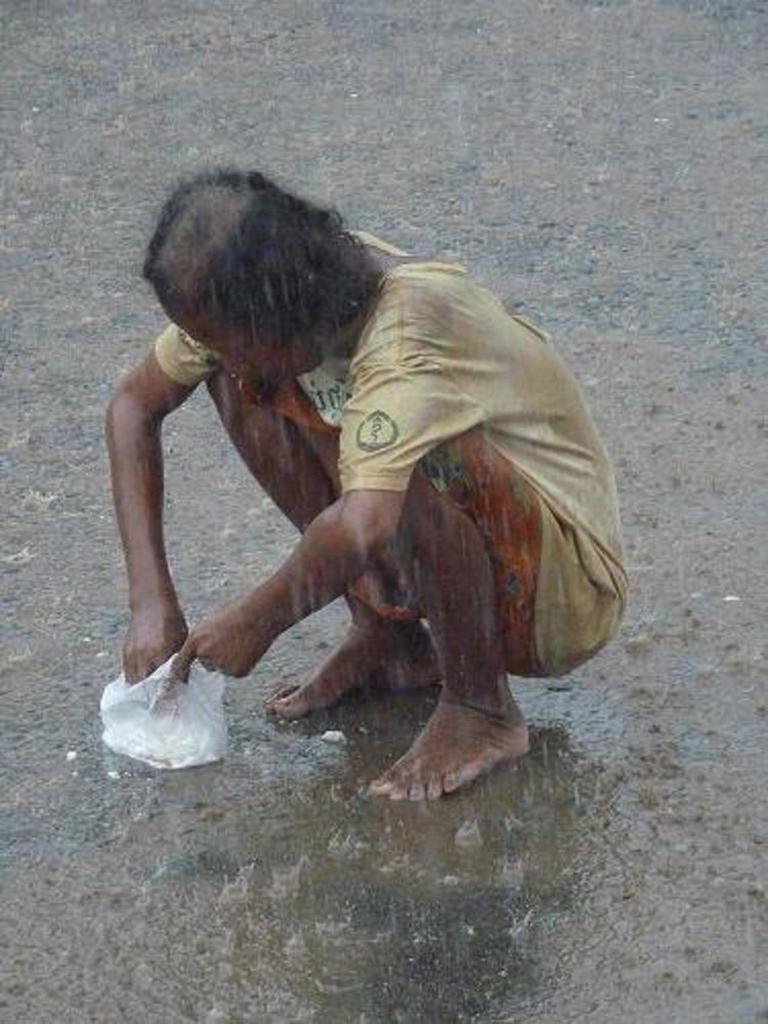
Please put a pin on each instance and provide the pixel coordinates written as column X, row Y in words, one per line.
column 271, row 888
column 331, row 906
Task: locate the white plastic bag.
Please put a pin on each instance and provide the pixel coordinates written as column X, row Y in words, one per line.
column 167, row 727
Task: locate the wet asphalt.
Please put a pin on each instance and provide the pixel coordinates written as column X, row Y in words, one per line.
column 602, row 165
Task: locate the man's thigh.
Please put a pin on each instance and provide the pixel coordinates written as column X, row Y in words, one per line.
column 477, row 479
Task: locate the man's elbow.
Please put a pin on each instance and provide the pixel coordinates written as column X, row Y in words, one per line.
column 127, row 413
column 114, row 411
column 144, row 397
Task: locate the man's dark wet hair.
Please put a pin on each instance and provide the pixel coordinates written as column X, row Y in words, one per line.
column 238, row 247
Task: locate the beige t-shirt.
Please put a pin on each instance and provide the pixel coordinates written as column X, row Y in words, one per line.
column 440, row 355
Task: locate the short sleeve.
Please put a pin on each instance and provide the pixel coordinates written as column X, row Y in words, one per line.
column 182, row 358
column 403, row 404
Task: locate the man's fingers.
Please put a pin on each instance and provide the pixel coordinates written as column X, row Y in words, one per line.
column 182, row 663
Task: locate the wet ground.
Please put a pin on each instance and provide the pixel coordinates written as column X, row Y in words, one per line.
column 603, row 165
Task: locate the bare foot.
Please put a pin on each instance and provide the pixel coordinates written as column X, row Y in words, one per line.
column 458, row 745
column 391, row 657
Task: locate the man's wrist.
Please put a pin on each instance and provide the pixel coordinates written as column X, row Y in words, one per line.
column 158, row 600
column 264, row 608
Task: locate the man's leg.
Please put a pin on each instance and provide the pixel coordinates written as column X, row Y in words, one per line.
column 297, row 468
column 476, row 724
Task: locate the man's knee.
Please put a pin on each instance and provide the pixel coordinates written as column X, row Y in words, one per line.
column 429, row 521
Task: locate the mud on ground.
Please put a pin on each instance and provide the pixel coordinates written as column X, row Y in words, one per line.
column 602, row 164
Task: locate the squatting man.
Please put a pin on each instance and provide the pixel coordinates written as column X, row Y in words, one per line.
column 432, row 448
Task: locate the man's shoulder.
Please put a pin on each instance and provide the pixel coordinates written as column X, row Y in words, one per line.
column 182, row 358
column 412, row 296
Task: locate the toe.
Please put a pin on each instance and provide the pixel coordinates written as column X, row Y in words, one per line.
column 417, row 791
column 381, row 786
column 280, row 693
column 398, row 791
column 292, row 706
column 406, row 780
column 392, row 784
column 434, row 788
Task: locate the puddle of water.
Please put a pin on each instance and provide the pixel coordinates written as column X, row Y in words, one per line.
column 270, row 887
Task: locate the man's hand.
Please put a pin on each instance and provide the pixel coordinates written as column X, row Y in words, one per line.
column 154, row 634
column 231, row 641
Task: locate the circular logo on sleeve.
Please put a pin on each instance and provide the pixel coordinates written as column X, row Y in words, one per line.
column 378, row 430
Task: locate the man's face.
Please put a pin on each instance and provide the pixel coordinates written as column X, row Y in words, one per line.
column 256, row 361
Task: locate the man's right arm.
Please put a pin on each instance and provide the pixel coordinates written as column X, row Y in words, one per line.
column 133, row 425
